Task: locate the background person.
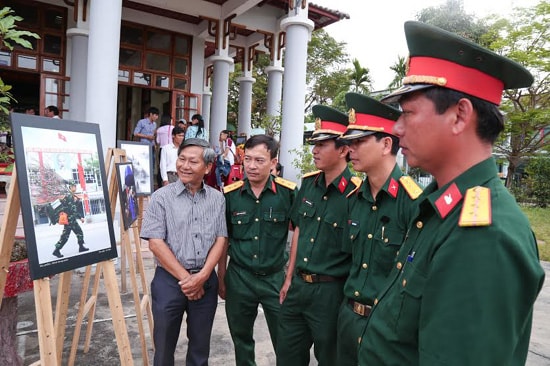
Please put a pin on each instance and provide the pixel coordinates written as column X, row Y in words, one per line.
column 378, row 215
column 196, row 128
column 186, row 229
column 258, row 216
column 52, row 112
column 318, row 267
column 163, row 137
column 468, row 273
column 169, row 157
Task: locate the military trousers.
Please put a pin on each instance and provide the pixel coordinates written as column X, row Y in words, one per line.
column 350, row 329
column 74, row 227
column 244, row 292
column 309, row 317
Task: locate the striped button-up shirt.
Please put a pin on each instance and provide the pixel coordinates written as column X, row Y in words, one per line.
column 188, row 223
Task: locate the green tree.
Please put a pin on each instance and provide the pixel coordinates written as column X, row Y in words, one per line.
column 400, row 70
column 524, row 38
column 538, row 180
column 360, row 78
column 9, row 37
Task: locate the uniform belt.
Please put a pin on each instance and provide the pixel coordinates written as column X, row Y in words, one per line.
column 194, row 270
column 315, row 278
column 359, row 308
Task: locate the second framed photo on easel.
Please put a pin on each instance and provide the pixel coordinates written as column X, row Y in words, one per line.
column 127, row 193
column 140, row 154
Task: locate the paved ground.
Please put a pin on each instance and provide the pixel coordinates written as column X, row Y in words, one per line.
column 103, row 350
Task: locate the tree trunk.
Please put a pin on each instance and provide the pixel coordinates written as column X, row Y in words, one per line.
column 8, row 326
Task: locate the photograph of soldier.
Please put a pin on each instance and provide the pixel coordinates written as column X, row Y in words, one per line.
column 127, row 192
column 71, row 212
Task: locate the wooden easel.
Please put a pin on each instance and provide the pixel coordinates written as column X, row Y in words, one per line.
column 50, row 337
column 142, row 305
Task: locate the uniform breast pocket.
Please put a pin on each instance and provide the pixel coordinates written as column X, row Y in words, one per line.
column 306, row 209
column 412, row 287
column 240, row 226
column 276, row 224
column 336, row 222
column 388, row 242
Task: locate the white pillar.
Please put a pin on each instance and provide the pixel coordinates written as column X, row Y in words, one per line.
column 206, row 105
column 245, row 105
column 103, row 48
column 298, row 29
column 274, row 89
column 220, row 89
column 79, row 62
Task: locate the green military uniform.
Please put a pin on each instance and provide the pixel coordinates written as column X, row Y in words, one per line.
column 373, row 235
column 258, row 232
column 69, row 204
column 435, row 307
column 310, row 310
column 466, row 278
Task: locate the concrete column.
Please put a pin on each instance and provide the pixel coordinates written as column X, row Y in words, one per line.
column 298, row 30
column 206, row 106
column 245, row 104
column 220, row 89
column 79, row 65
column 103, row 48
column 274, row 89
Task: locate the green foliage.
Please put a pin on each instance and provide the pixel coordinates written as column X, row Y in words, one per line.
column 360, row 79
column 303, row 161
column 538, row 217
column 400, row 70
column 538, row 180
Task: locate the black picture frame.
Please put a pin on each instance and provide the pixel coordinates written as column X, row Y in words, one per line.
column 140, row 154
column 51, row 155
column 127, row 192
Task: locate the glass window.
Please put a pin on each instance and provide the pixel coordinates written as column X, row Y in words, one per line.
column 158, row 41
column 124, row 76
column 162, row 81
column 54, row 86
column 193, row 102
column 50, row 99
column 157, row 62
column 182, row 45
column 141, row 78
column 28, row 13
column 129, row 57
column 33, row 41
column 131, row 35
column 51, row 65
column 180, row 66
column 5, row 58
column 180, row 84
column 52, row 44
column 27, row 62
column 54, row 19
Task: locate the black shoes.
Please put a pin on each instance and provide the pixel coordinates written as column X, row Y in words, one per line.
column 57, row 253
column 82, row 248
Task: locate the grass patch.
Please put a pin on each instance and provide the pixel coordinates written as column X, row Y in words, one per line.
column 540, row 221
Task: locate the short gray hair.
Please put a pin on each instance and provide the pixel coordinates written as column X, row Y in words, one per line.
column 208, row 154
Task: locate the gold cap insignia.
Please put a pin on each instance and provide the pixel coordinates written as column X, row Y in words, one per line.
column 351, row 116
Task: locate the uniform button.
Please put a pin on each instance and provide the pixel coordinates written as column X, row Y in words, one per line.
column 365, row 265
column 375, row 301
column 351, row 236
column 404, row 282
column 386, row 240
column 255, row 256
column 335, row 224
column 374, row 208
column 239, row 222
column 274, row 220
column 356, row 293
column 255, row 238
column 257, row 201
column 419, row 224
column 399, row 265
column 311, row 240
column 319, row 218
column 305, row 259
column 325, row 198
column 369, row 236
column 256, row 219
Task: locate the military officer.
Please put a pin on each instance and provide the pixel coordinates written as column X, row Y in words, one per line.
column 258, row 214
column 378, row 215
column 467, row 276
column 318, row 266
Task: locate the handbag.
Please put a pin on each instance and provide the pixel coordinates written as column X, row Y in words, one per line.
column 63, row 219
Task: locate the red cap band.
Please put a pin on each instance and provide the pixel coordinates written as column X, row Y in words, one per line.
column 333, row 126
column 465, row 79
column 373, row 123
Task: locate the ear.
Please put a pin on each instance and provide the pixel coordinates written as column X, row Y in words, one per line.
column 208, row 168
column 344, row 150
column 387, row 141
column 465, row 116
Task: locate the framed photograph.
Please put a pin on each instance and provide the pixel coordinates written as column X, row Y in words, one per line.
column 127, row 193
column 140, row 154
column 64, row 194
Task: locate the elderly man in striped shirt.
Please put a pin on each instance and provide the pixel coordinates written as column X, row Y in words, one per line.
column 186, row 229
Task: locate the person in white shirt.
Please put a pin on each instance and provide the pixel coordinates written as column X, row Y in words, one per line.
column 226, row 157
column 169, row 156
